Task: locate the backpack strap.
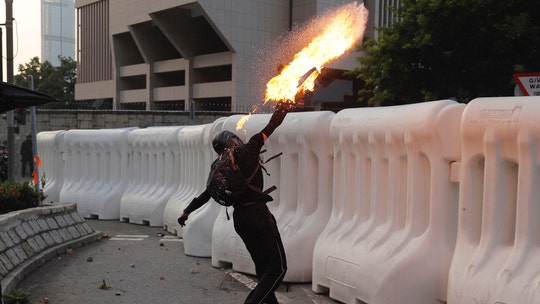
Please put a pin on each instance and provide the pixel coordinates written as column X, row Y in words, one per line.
column 248, row 180
column 255, row 188
column 267, row 191
column 262, row 163
column 277, row 155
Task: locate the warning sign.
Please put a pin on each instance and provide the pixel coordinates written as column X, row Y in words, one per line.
column 529, row 83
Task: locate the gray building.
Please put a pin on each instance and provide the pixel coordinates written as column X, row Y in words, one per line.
column 57, row 30
column 214, row 54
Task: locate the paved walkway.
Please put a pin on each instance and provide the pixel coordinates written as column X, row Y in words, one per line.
column 141, row 264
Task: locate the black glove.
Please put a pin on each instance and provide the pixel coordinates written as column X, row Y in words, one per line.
column 282, row 108
column 285, row 106
column 182, row 220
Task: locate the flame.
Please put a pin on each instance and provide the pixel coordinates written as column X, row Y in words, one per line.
column 242, row 121
column 346, row 27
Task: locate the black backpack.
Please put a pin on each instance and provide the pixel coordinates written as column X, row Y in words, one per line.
column 227, row 184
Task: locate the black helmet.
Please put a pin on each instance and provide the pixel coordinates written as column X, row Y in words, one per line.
column 224, row 140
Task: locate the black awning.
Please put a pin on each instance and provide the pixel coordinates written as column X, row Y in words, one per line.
column 12, row 97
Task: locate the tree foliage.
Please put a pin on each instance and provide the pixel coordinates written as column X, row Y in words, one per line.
column 57, row 82
column 460, row 49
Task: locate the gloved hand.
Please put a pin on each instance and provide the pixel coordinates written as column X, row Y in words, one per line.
column 285, row 106
column 182, row 219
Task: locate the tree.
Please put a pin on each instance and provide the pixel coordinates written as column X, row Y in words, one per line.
column 57, row 82
column 460, row 49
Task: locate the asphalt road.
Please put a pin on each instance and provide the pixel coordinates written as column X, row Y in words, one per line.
column 141, row 264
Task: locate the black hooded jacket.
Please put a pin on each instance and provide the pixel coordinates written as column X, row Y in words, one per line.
column 247, row 159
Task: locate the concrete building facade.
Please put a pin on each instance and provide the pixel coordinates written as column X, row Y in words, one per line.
column 57, row 30
column 212, row 55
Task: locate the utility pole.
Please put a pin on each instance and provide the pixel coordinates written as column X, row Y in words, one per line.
column 12, row 155
column 34, row 139
column 1, row 79
column 9, row 74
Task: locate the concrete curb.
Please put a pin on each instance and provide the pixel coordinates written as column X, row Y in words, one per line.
column 31, row 237
column 11, row 281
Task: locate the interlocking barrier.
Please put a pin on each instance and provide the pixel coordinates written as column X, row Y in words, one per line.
column 95, row 171
column 196, row 157
column 305, row 183
column 392, row 229
column 152, row 175
column 498, row 241
column 424, row 203
column 51, row 150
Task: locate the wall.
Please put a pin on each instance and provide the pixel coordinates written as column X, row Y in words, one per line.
column 52, row 120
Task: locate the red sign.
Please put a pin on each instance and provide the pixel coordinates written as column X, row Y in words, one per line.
column 529, row 83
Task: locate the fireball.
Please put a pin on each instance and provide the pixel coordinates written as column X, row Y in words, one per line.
column 346, row 26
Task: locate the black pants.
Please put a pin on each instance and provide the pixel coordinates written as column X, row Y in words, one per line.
column 257, row 228
column 27, row 162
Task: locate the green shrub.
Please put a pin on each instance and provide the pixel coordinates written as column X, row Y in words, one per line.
column 16, row 196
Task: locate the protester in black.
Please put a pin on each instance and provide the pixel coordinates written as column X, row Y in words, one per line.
column 253, row 222
column 27, row 155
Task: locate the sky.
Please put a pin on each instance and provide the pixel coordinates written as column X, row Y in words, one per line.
column 26, row 31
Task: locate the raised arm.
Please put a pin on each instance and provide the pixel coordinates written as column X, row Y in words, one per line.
column 277, row 118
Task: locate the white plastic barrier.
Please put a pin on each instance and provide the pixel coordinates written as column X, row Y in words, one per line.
column 95, row 171
column 302, row 202
column 196, row 155
column 197, row 233
column 152, row 174
column 497, row 256
column 391, row 233
column 51, row 152
column 305, row 183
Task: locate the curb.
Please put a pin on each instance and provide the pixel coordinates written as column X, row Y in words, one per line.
column 18, row 274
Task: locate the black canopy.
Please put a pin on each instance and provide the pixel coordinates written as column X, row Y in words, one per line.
column 12, row 97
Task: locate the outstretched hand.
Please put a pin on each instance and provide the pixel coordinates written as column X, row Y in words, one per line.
column 182, row 219
column 286, row 106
